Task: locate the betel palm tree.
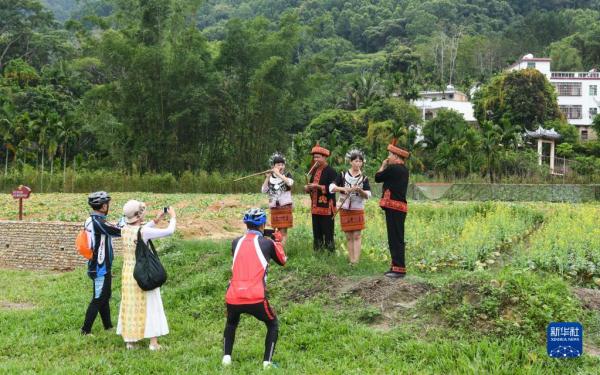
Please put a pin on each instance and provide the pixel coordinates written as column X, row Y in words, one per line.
column 52, row 124
column 510, row 134
column 43, row 133
column 7, row 137
column 19, row 133
column 46, row 127
column 379, row 135
column 363, row 91
column 6, row 131
column 472, row 149
column 52, row 149
column 490, row 144
column 66, row 133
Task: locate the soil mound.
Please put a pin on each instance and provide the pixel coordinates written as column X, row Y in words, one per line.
column 388, row 294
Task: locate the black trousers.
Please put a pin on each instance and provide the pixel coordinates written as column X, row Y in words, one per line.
column 99, row 305
column 323, row 230
column 394, row 221
column 261, row 311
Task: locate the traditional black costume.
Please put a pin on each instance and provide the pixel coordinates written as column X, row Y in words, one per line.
column 322, row 203
column 393, row 202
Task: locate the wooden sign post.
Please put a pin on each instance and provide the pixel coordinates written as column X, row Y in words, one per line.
column 22, row 192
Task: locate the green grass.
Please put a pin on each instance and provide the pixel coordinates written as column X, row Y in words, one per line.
column 488, row 321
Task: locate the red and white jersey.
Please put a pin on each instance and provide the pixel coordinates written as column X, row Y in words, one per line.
column 251, row 255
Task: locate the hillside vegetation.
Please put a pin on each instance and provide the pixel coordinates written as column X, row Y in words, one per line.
column 188, row 85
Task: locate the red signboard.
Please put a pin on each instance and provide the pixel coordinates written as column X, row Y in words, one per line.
column 22, row 192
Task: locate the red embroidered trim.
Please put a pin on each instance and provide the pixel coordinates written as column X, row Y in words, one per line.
column 314, row 197
column 323, row 211
column 388, row 202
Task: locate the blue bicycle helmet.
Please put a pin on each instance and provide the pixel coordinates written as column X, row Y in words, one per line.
column 255, row 216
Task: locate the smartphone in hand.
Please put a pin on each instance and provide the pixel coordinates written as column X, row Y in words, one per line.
column 165, row 210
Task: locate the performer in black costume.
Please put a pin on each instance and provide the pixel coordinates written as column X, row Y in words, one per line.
column 394, row 175
column 322, row 199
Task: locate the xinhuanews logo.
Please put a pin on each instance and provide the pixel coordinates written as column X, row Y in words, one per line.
column 564, row 339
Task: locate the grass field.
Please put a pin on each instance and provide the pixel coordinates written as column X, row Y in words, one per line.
column 484, row 281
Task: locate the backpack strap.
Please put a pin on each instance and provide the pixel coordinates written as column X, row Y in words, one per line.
column 139, row 235
column 100, row 226
column 85, row 226
column 151, row 247
column 90, row 233
column 150, row 244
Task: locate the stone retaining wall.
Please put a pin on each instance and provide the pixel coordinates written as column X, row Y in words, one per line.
column 49, row 246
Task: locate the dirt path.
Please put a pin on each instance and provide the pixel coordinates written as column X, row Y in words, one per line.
column 507, row 249
column 4, row 305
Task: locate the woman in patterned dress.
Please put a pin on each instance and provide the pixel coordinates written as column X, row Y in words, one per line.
column 278, row 186
column 355, row 190
column 141, row 314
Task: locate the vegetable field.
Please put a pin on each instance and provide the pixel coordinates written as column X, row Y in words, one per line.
column 484, row 281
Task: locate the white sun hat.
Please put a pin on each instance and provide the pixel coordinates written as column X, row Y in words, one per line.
column 133, row 210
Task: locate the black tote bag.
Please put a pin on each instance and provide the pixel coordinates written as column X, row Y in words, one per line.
column 148, row 271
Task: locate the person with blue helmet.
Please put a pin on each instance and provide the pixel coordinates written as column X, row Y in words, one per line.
column 246, row 293
column 255, row 216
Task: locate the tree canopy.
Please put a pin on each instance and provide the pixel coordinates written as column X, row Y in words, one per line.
column 191, row 85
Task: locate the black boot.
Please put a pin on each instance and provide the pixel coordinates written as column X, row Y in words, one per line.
column 394, row 275
column 398, row 270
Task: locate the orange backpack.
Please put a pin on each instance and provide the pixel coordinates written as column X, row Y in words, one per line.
column 82, row 244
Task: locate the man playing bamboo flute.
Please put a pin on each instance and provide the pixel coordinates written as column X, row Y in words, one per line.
column 394, row 175
column 322, row 199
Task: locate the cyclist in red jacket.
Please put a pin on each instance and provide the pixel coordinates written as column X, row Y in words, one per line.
column 247, row 293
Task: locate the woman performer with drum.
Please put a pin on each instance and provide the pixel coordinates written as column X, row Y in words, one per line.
column 278, row 186
column 355, row 190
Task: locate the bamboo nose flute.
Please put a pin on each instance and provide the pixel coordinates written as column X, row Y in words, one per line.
column 310, row 171
column 347, row 196
column 252, row 175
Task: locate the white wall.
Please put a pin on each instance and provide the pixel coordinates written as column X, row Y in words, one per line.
column 542, row 66
column 464, row 108
column 585, row 100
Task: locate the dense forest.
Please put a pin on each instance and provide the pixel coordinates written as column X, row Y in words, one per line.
column 188, row 85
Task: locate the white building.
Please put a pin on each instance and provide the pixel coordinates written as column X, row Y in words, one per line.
column 430, row 102
column 578, row 94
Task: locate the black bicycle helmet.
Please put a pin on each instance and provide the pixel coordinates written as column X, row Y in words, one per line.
column 98, row 198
